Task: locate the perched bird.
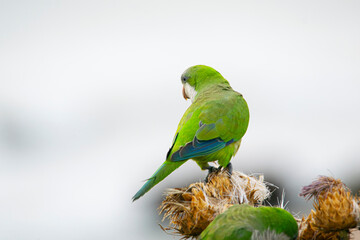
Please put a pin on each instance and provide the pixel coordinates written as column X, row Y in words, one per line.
column 211, row 128
column 244, row 222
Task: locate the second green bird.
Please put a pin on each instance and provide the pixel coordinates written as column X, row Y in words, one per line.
column 245, row 222
column 211, row 128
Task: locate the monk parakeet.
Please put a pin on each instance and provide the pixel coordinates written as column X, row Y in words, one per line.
column 244, row 222
column 211, row 128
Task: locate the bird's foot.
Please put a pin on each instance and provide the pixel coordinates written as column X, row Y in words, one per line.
column 211, row 170
column 229, row 169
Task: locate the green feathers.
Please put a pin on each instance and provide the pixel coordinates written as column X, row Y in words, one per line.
column 211, row 128
column 201, row 77
column 163, row 171
column 244, row 222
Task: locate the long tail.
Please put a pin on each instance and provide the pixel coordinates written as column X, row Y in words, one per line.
column 164, row 170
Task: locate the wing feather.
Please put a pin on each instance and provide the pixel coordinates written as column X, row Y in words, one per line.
column 208, row 126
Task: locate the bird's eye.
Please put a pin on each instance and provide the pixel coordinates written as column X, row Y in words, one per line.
column 184, row 78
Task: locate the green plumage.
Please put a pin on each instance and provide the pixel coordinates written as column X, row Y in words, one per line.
column 244, row 222
column 211, row 128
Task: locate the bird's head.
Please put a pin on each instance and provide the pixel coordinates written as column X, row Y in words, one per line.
column 199, row 77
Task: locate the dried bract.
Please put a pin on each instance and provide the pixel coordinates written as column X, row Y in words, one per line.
column 335, row 210
column 191, row 209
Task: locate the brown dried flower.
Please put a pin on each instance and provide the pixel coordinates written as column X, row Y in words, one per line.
column 335, row 210
column 322, row 185
column 191, row 209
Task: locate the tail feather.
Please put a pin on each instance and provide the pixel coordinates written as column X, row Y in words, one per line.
column 163, row 171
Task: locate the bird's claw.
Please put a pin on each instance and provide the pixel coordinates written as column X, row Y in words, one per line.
column 229, row 169
column 211, row 170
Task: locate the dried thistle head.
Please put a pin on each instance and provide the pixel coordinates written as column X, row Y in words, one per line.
column 191, row 209
column 308, row 230
column 335, row 210
column 322, row 185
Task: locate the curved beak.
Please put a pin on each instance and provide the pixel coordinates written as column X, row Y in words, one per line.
column 184, row 93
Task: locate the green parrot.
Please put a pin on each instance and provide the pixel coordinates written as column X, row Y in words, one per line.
column 244, row 222
column 211, row 128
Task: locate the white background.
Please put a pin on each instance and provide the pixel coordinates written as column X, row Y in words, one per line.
column 90, row 97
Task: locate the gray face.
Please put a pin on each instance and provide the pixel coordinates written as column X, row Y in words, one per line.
column 184, row 78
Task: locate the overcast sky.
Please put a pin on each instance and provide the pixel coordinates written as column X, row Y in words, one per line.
column 90, row 98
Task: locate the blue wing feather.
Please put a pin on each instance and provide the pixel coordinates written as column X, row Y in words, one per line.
column 206, row 141
column 198, row 148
